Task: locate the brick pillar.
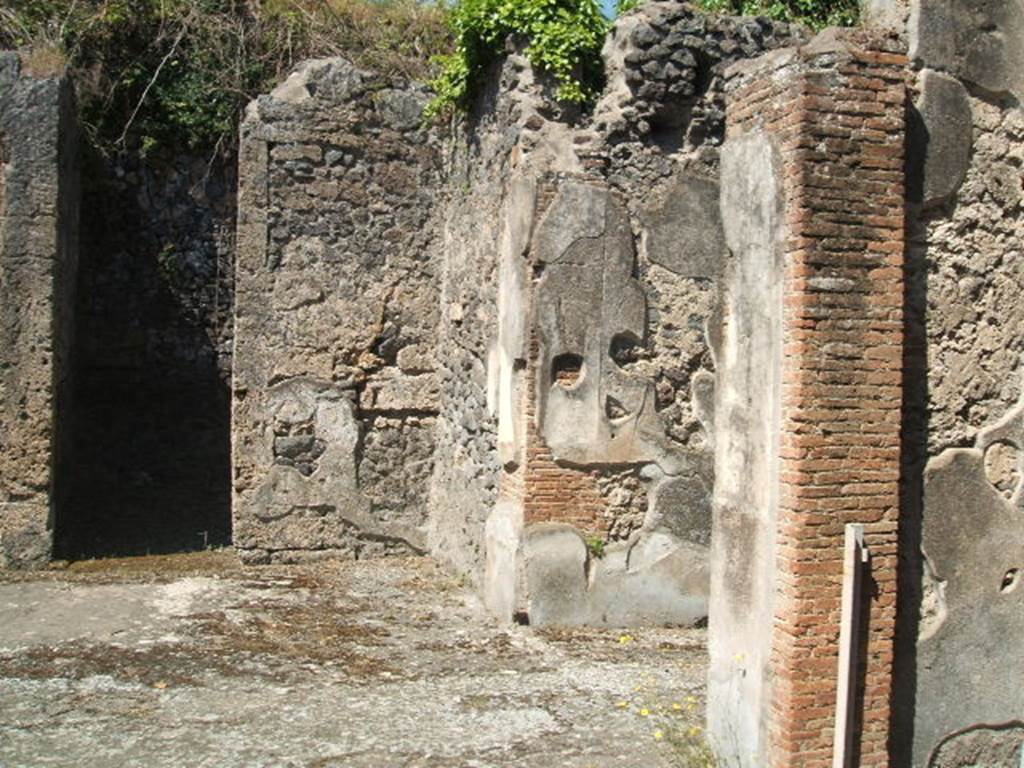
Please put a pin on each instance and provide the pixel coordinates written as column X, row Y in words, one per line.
column 825, row 125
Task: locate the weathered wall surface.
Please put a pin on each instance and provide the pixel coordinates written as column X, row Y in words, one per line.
column 335, row 388
column 808, row 440
column 38, row 263
column 484, row 221
column 962, row 544
column 151, row 433
column 747, row 404
column 580, row 269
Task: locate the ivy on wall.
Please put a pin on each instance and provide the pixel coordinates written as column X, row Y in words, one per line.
column 564, row 39
column 814, row 13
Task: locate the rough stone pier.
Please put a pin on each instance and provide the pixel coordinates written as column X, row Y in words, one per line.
column 38, row 263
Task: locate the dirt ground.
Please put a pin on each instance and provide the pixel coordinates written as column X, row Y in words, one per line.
column 194, row 660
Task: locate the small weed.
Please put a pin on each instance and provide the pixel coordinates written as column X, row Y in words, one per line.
column 595, row 544
column 676, row 722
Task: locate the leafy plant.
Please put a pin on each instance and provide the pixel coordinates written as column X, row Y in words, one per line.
column 677, row 722
column 564, row 39
column 813, row 13
column 173, row 74
column 596, row 546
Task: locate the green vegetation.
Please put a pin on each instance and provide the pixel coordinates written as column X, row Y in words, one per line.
column 596, row 546
column 174, row 74
column 563, row 38
column 675, row 722
column 813, row 13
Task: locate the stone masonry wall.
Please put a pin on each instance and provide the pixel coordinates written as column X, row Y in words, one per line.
column 38, row 263
column 516, row 167
column 962, row 542
column 833, row 111
column 335, row 389
column 432, row 419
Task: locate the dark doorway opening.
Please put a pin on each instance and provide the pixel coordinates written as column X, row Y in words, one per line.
column 148, row 464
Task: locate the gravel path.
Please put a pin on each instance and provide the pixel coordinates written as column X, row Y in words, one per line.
column 195, row 661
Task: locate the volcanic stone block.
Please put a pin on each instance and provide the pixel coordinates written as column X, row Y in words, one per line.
column 979, row 41
column 335, row 393
column 684, row 229
column 38, row 260
column 947, row 135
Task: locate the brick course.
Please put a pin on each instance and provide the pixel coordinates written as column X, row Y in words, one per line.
column 836, row 113
column 553, row 493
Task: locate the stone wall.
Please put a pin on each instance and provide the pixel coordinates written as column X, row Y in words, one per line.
column 535, row 347
column 38, row 266
column 335, row 387
column 568, row 417
column 963, row 543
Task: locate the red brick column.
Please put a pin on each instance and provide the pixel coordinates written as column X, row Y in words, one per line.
column 553, row 493
column 834, row 110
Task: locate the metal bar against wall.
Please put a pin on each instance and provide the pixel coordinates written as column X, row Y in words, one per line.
column 855, row 557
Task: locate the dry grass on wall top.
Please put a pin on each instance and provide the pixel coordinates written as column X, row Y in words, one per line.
column 175, row 74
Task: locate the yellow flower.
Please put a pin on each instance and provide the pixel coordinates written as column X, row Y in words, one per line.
column 658, row 735
column 625, row 639
column 691, row 699
column 676, row 706
column 695, row 731
column 645, row 712
column 622, row 704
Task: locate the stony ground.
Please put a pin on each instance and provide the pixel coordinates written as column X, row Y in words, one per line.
column 193, row 660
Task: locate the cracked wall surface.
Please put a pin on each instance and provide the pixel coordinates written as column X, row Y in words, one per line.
column 965, row 336
column 526, row 349
column 335, row 387
column 599, row 376
column 38, row 263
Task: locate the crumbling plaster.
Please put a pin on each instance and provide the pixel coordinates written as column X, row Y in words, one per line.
column 336, row 392
column 965, row 338
column 748, row 346
column 473, row 276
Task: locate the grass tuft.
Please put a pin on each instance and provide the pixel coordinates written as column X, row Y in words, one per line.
column 175, row 74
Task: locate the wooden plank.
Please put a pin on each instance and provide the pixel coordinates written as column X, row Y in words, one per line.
column 855, row 557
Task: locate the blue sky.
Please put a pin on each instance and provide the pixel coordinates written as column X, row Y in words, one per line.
column 608, row 6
